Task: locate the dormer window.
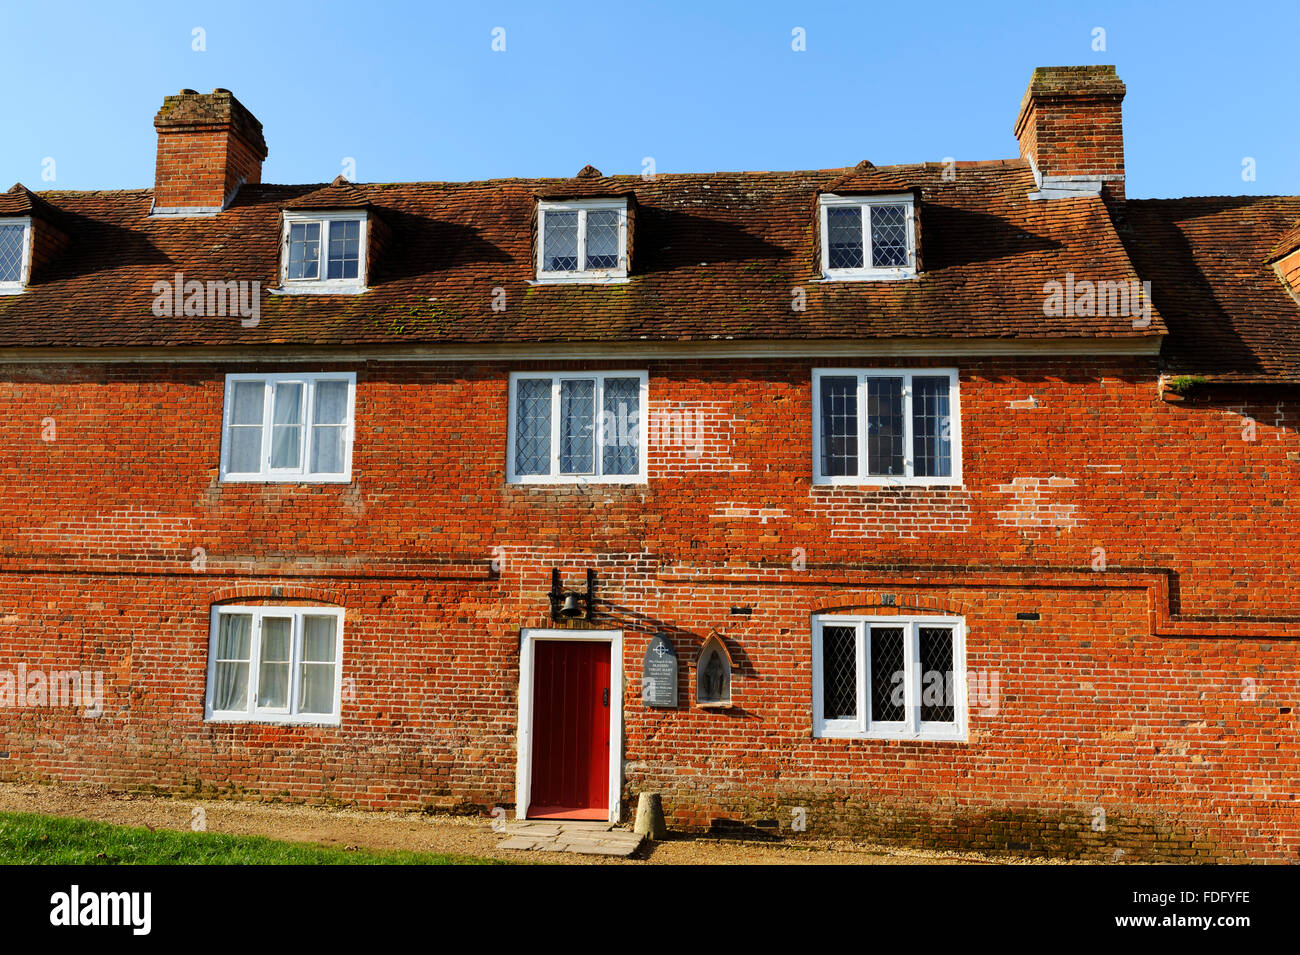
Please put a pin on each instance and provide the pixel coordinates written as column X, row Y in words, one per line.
column 868, row 237
column 15, row 254
column 583, row 240
column 324, row 252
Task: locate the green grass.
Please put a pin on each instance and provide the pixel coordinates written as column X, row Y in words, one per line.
column 29, row 839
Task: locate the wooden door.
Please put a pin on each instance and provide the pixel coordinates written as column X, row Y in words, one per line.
column 570, row 762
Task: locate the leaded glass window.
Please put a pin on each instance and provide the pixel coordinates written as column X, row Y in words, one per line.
column 574, row 427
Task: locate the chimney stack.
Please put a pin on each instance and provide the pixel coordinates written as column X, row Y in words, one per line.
column 209, row 144
column 1071, row 129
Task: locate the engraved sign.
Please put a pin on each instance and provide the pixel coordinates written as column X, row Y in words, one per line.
column 659, row 673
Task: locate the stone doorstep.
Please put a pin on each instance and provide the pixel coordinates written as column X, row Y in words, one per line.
column 598, row 849
column 583, row 838
column 580, row 826
column 519, row 842
column 530, row 829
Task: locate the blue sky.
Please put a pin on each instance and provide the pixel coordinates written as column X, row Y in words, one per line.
column 414, row 90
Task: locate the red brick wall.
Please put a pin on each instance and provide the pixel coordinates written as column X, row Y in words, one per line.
column 1161, row 689
column 202, row 166
column 1078, row 137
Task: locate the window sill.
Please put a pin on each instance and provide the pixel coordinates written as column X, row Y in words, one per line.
column 12, row 289
column 935, row 737
column 295, row 479
column 269, row 720
column 886, row 275
column 319, row 289
column 580, row 280
column 535, row 480
column 938, row 484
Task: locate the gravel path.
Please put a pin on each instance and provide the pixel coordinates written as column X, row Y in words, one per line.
column 422, row 833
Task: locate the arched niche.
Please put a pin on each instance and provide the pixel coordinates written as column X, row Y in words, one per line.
column 713, row 671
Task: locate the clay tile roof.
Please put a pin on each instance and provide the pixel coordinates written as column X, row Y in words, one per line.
column 864, row 178
column 1289, row 243
column 716, row 258
column 20, row 201
column 1230, row 317
column 589, row 183
column 339, row 194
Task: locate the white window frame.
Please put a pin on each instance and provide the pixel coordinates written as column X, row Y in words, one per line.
column 25, row 267
column 868, row 272
column 301, row 474
column 321, row 285
column 582, row 207
column 554, row 476
column 862, row 478
column 289, row 714
column 911, row 727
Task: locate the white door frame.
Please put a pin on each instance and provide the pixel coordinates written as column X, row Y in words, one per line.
column 524, row 765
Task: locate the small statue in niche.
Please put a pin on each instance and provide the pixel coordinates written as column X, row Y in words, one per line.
column 713, row 676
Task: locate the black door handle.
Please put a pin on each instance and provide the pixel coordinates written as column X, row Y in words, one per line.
column 606, row 699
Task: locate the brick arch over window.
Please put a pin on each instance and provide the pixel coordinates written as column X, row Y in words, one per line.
column 243, row 593
column 901, row 605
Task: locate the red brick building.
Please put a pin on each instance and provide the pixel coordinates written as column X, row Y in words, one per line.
column 962, row 493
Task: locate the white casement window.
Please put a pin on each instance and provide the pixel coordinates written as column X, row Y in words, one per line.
column 323, row 252
column 886, row 426
column 577, row 427
column 868, row 237
column 15, row 254
column 288, row 427
column 583, row 240
column 275, row 664
column 889, row 677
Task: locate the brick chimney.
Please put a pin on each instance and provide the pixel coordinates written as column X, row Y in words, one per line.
column 209, row 144
column 1071, row 129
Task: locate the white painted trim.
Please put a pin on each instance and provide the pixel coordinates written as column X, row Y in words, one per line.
column 571, row 279
column 301, row 474
column 911, row 728
column 25, row 265
column 862, row 478
column 184, row 212
column 868, row 272
column 580, row 351
column 321, row 285
column 582, row 274
column 279, row 716
column 524, row 763
column 319, row 289
column 555, row 476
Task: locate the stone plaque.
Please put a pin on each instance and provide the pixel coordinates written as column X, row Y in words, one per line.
column 659, row 673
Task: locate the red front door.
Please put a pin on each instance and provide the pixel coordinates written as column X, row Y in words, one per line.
column 570, row 730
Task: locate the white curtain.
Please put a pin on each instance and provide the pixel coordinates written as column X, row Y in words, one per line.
column 316, row 694
column 234, row 642
column 273, row 667
column 286, row 426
